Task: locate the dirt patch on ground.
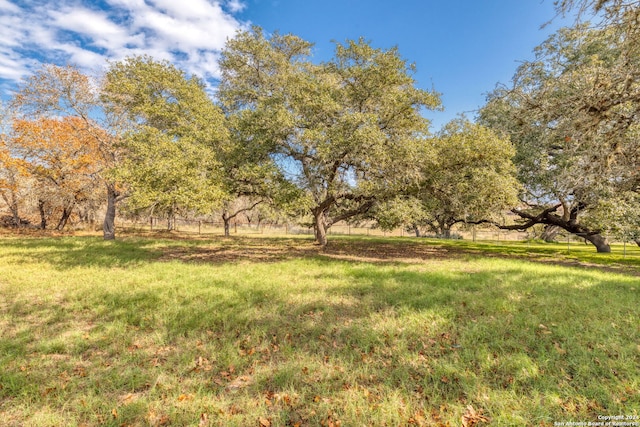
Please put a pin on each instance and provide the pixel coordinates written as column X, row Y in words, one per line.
column 259, row 250
column 247, row 249
column 273, row 250
column 389, row 252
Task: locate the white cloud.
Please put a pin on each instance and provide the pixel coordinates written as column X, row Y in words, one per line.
column 8, row 7
column 190, row 33
column 78, row 56
column 10, row 31
column 11, row 67
column 188, row 10
column 187, row 35
column 103, row 32
column 236, row 6
column 132, row 5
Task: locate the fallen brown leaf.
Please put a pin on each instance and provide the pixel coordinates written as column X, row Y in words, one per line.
column 240, row 382
column 472, row 417
column 264, row 422
column 559, row 349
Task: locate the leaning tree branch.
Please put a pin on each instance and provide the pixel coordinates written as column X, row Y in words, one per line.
column 531, row 219
column 363, row 208
column 238, row 212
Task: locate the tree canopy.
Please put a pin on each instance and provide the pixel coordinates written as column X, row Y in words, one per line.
column 348, row 131
column 173, row 138
column 469, row 178
column 62, row 157
column 573, row 114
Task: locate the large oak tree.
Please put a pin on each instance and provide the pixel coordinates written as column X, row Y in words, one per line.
column 174, row 138
column 573, row 113
column 347, row 132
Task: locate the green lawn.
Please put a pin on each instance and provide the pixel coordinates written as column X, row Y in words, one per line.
column 274, row 332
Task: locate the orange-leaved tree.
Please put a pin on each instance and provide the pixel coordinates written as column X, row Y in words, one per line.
column 12, row 179
column 56, row 92
column 62, row 156
column 14, row 184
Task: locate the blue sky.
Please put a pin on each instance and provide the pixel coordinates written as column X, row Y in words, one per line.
column 461, row 48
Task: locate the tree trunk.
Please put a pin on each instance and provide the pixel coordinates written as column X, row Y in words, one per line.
column 16, row 218
column 85, row 216
column 66, row 213
column 416, row 230
column 637, row 242
column 226, row 219
column 600, row 242
column 11, row 199
column 43, row 215
column 549, row 218
column 109, row 224
column 16, row 215
column 444, row 228
column 13, row 207
column 320, row 226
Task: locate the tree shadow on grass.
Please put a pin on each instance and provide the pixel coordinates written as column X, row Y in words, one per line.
column 247, row 249
column 71, row 252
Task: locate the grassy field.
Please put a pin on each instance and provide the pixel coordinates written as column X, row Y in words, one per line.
column 275, row 332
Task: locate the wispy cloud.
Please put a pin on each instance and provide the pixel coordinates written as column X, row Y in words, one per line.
column 7, row 6
column 189, row 33
column 235, row 6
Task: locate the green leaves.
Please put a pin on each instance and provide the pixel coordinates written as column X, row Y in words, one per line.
column 466, row 174
column 347, row 131
column 165, row 173
column 572, row 115
column 176, row 136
